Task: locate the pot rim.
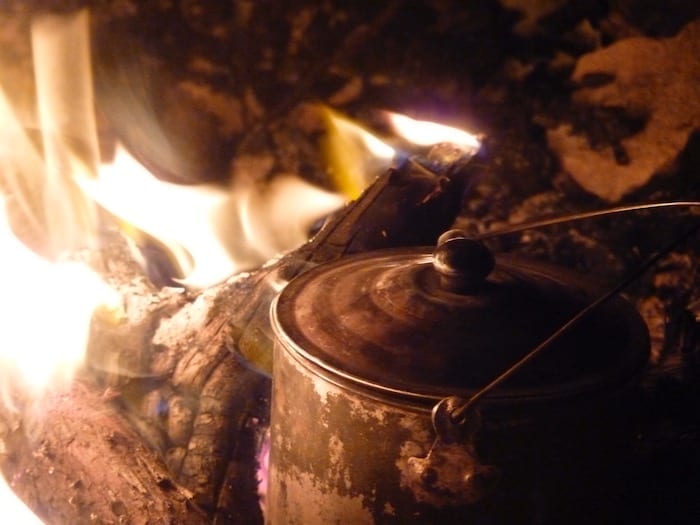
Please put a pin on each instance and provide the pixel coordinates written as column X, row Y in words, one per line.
column 501, row 396
column 634, row 353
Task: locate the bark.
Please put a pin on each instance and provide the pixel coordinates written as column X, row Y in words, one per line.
column 85, row 464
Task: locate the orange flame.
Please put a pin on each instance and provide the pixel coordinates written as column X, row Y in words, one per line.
column 209, row 230
column 49, row 302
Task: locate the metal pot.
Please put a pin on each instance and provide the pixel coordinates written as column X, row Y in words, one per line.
column 377, row 355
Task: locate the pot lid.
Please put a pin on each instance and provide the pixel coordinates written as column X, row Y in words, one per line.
column 448, row 322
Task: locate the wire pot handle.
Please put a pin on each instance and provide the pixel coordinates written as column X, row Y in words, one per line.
column 462, row 407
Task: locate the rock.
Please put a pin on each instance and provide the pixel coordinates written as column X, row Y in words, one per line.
column 531, row 12
column 656, row 79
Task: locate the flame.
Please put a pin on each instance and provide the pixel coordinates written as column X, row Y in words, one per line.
column 46, row 309
column 426, row 133
column 178, row 216
column 356, row 156
column 47, row 300
column 47, row 306
column 211, row 231
column 52, row 191
column 63, row 74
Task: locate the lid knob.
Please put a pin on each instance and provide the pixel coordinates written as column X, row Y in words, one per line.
column 462, row 263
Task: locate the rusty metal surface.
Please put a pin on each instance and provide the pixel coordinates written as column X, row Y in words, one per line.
column 343, row 454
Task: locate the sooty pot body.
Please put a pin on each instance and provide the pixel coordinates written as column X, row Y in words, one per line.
column 374, row 352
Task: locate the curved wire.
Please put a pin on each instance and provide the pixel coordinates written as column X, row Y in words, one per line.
column 541, row 223
column 460, row 412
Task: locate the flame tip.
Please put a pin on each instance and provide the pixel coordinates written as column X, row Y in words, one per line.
column 429, row 133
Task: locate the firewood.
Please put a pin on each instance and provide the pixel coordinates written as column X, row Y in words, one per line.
column 188, row 373
column 86, row 465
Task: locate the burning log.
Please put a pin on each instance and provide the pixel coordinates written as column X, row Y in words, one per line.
column 178, row 405
column 86, row 464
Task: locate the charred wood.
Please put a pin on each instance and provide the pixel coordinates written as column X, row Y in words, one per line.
column 83, row 463
column 188, row 373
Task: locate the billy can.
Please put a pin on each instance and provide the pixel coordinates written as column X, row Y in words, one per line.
column 377, row 356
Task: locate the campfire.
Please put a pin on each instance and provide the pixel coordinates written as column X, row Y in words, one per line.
column 159, row 194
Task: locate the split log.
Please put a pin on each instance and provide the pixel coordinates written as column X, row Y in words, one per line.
column 86, row 465
column 188, row 374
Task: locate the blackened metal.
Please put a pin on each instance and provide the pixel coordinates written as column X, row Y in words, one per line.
column 366, row 347
column 468, row 405
column 451, row 473
column 462, row 264
column 369, row 316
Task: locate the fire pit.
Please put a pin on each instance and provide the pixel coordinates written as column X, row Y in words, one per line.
column 227, row 110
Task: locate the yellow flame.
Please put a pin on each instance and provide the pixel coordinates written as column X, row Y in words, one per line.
column 46, row 304
column 61, row 58
column 181, row 217
column 426, row 133
column 355, row 156
column 211, row 231
column 21, row 168
column 276, row 217
column 46, row 308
